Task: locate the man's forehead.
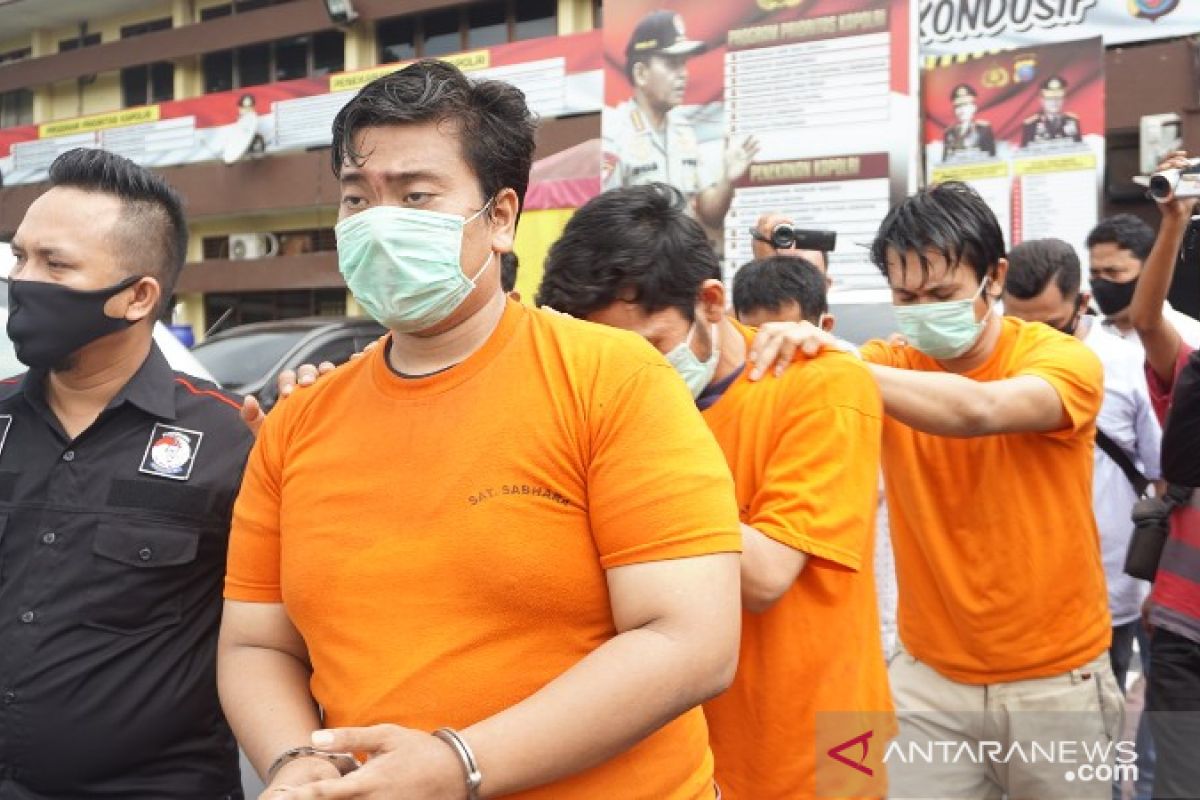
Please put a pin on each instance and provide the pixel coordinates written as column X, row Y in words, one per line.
column 935, row 272
column 67, row 215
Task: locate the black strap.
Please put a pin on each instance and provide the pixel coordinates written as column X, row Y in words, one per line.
column 1122, row 459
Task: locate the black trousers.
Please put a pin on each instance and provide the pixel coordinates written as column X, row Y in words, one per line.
column 1174, row 706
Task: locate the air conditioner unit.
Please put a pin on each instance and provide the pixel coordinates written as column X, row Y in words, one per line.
column 247, row 246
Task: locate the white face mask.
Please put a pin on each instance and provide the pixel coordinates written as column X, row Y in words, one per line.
column 402, row 264
column 696, row 374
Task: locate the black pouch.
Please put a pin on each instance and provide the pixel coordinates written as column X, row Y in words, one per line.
column 1151, row 527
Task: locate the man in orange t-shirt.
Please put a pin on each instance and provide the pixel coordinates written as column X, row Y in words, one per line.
column 804, row 451
column 501, row 526
column 987, row 457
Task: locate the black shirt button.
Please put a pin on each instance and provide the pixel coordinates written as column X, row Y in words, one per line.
column 145, row 554
column 10, row 697
column 49, row 537
column 27, row 617
column 69, row 455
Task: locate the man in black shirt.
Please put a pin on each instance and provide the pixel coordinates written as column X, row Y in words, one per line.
column 117, row 479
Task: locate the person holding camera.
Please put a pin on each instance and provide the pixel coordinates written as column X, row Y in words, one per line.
column 1173, row 610
column 775, row 235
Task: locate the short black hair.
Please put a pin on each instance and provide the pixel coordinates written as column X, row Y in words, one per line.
column 508, row 271
column 494, row 125
column 950, row 219
column 1127, row 232
column 153, row 230
column 636, row 244
column 1033, row 264
column 768, row 283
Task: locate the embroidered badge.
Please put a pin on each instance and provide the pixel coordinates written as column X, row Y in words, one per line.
column 171, row 452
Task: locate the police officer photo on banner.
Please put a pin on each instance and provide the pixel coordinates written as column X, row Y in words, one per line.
column 1051, row 125
column 655, row 135
column 969, row 137
column 752, row 108
column 1025, row 128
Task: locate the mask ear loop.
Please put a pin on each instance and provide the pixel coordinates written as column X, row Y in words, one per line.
column 488, row 261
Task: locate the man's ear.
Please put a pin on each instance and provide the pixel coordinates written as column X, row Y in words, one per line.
column 827, row 321
column 638, row 73
column 503, row 218
column 999, row 276
column 710, row 301
column 137, row 302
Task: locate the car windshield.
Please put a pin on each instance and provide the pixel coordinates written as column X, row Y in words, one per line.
column 245, row 358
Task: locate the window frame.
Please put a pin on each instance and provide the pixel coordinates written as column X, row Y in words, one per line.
column 417, row 20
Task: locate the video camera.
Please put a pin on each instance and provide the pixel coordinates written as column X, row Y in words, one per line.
column 786, row 237
column 1173, row 184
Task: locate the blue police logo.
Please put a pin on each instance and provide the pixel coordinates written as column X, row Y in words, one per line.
column 171, row 452
column 1152, row 9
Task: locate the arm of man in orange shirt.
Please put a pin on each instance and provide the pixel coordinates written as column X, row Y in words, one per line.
column 942, row 404
column 1159, row 337
column 676, row 623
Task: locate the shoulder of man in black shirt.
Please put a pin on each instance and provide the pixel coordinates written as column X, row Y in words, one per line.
column 112, row 563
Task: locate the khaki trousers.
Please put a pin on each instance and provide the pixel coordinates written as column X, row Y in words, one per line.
column 1043, row 739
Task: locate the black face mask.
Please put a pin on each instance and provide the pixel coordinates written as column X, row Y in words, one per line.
column 1113, row 297
column 1071, row 325
column 48, row 322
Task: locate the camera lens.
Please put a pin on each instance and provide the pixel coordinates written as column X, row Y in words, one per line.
column 783, row 237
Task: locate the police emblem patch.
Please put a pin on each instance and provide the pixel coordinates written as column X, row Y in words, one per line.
column 5, row 424
column 171, row 452
column 1151, row 9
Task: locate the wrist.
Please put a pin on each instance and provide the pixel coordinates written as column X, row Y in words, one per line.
column 306, row 769
column 469, row 777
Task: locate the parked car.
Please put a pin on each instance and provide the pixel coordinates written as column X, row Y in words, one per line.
column 867, row 317
column 178, row 356
column 248, row 359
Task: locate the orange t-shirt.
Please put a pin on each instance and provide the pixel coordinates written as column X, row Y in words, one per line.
column 804, row 451
column 441, row 542
column 997, row 551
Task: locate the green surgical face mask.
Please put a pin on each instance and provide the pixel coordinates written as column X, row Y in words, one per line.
column 403, row 265
column 942, row 330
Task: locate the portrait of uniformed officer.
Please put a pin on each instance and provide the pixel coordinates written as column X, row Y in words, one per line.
column 1051, row 123
column 968, row 136
column 648, row 139
column 117, row 482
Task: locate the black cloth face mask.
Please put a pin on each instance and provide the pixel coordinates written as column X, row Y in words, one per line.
column 1113, row 297
column 47, row 322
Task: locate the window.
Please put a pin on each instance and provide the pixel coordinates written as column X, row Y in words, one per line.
column 485, row 24
column 16, row 107
column 397, row 39
column 149, row 83
column 239, row 7
column 535, row 19
column 83, row 40
column 282, row 60
column 443, row 33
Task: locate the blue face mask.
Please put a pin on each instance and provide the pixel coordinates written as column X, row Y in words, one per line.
column 942, row 330
column 403, row 265
column 696, row 374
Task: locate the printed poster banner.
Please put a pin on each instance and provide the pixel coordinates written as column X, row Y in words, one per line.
column 950, row 27
column 1026, row 129
column 559, row 75
column 805, row 107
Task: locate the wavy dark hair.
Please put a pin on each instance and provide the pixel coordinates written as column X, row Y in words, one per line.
column 949, row 219
column 636, row 244
column 491, row 119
